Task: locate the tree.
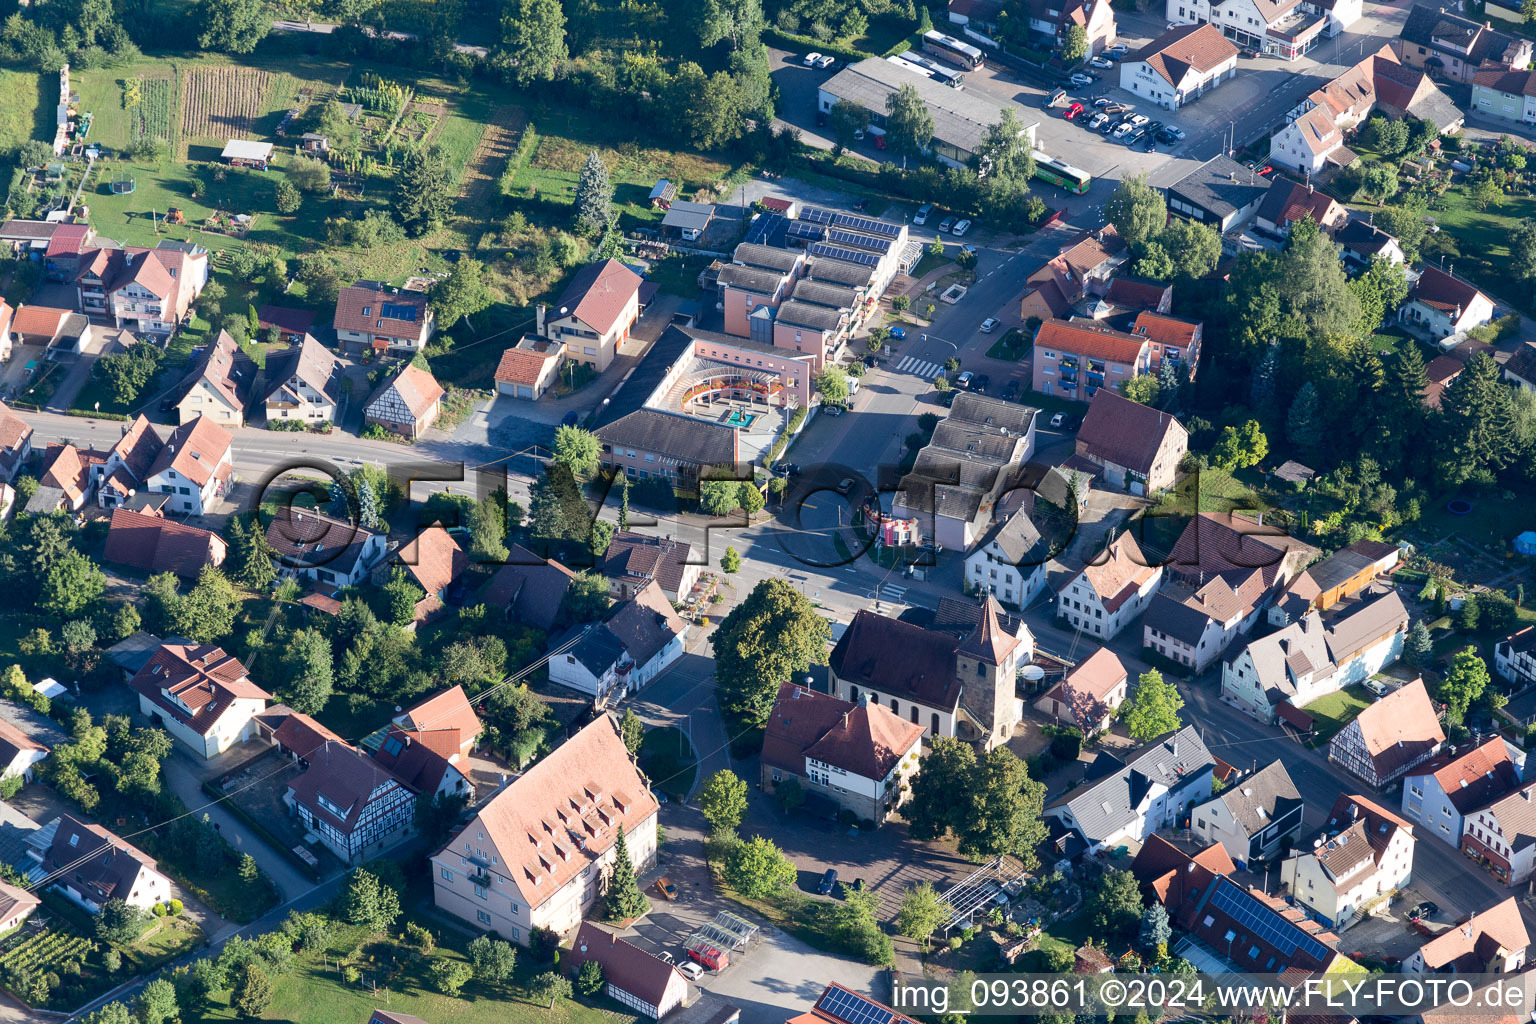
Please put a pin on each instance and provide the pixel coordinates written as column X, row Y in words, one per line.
column 234, row 26
column 757, row 869
column 157, row 1002
column 207, row 613
column 1143, row 389
column 1137, row 211
column 463, row 293
column 369, row 902
column 400, row 595
column 112, row 1013
column 253, row 992
column 832, row 382
column 423, row 187
column 922, row 911
column 550, row 986
column 558, row 513
column 719, row 491
column 119, row 923
column 908, row 123
column 70, row 585
column 1005, row 151
column 1380, row 290
column 1476, row 423
column 1153, row 709
column 586, row 599
column 990, row 804
column 594, row 196
column 1114, row 905
column 623, row 899
column 577, row 449
column 845, row 121
column 286, row 198
column 533, row 41
column 1194, row 248
column 1406, row 224
column 704, row 108
column 1304, row 422
column 730, row 562
column 1465, row 681
column 1379, row 182
column 1074, row 45
column 449, row 976
column 589, row 980
column 1418, row 647
column 492, row 959
column 723, row 801
column 740, row 21
column 249, row 871
column 1155, row 931
column 1240, row 447
column 308, row 671
column 773, row 635
column 1487, row 192
column 1522, row 247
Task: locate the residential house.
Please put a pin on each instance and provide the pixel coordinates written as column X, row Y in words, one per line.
column 1138, row 447
column 754, row 281
column 218, row 386
column 1050, row 20
column 639, row 640
column 122, row 476
column 448, row 718
column 358, row 807
column 1506, row 93
column 1366, row 853
column 153, row 544
column 540, row 852
column 68, row 480
column 90, row 865
column 528, row 589
column 1361, row 242
column 1180, row 65
column 974, row 458
column 407, row 404
column 1127, row 798
column 950, row 686
column 1444, row 793
column 317, row 547
column 304, row 384
column 1288, row 201
column 371, row 315
column 1502, row 836
column 1083, row 268
column 856, row 754
column 18, row 753
column 961, row 117
column 1171, row 340
column 1089, row 694
column 1192, row 625
column 1233, row 544
column 38, row 325
column 1514, row 657
column 1490, row 941
column 1136, row 294
column 529, row 368
column 1255, row 818
column 811, row 327
column 595, row 314
column 62, row 257
column 634, row 560
column 640, row 981
column 1441, row 305
column 1111, row 590
column 200, row 695
column 1307, row 660
column 290, row 322
column 1448, row 44
column 15, row 443
column 1282, row 28
column 16, row 905
column 1075, row 358
column 1519, row 369
column 1397, row 733
column 149, row 291
column 195, row 466
column 434, row 559
column 425, row 762
column 1010, row 561
column 1220, row 192
column 1340, row 576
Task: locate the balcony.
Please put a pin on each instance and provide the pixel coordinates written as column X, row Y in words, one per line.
column 1068, row 362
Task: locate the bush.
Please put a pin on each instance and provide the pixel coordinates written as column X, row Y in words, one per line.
column 543, row 944
column 589, row 980
column 176, row 908
column 449, row 976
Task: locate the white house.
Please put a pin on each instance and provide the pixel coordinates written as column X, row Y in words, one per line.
column 641, row 981
column 320, row 548
column 1502, row 836
column 1253, row 817
column 18, row 752
column 1193, row 625
column 358, row 807
column 194, row 467
column 1365, row 855
column 1514, row 657
column 1443, row 793
column 1010, row 561
column 1090, row 694
column 200, row 695
column 620, row 656
column 1441, row 305
column 1111, row 590
column 1491, row 941
column 1390, row 738
column 304, row 384
column 90, row 865
column 1180, row 65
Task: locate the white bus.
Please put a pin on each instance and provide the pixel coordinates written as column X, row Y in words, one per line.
column 951, row 49
column 936, row 71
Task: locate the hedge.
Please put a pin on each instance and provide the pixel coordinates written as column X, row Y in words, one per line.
column 87, row 413
column 791, row 41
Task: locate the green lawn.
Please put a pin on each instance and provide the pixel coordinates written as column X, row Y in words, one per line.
column 1335, row 711
column 23, row 114
column 668, row 760
column 1013, row 345
column 1210, row 490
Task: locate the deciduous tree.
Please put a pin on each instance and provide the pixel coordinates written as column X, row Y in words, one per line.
column 773, row 635
column 922, row 911
column 845, row 121
column 369, row 902
column 990, row 805
column 463, row 293
column 757, row 869
column 1074, row 45
column 492, row 959
column 724, row 801
column 1114, row 905
column 308, row 671
column 253, row 992
column 1137, row 210
column 234, row 26
column 533, row 41
column 908, row 123
column 577, row 449
column 1153, row 710
column 1465, row 681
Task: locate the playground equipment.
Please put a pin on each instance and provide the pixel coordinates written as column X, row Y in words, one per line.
column 122, row 183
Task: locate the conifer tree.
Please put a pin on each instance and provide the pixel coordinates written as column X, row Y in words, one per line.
column 624, row 900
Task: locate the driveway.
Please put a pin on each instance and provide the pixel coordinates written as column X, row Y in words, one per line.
column 684, row 697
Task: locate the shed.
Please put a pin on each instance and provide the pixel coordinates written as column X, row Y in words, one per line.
column 1525, row 544
column 247, row 153
column 663, row 193
column 687, row 220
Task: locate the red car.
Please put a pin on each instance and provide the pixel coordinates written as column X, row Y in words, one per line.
column 714, row 959
column 1072, row 111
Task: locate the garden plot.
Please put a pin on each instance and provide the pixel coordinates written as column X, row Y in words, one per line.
column 222, row 102
column 151, row 107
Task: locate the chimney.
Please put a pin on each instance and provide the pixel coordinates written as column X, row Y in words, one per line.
column 538, row 313
column 845, row 721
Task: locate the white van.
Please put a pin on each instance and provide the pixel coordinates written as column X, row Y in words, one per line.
column 921, row 216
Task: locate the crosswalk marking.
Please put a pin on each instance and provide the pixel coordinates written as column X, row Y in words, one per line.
column 891, row 592
column 919, row 367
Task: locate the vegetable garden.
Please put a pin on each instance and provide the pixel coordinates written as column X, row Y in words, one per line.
column 222, row 102
column 150, row 103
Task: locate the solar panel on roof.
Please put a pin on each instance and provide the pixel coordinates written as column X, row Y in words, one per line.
column 853, row 1008
column 392, row 311
column 868, row 225
column 806, row 230
column 1265, row 923
column 816, row 215
column 857, row 241
column 837, row 252
column 763, row 227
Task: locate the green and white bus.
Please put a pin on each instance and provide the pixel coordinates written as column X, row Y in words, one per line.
column 1061, row 174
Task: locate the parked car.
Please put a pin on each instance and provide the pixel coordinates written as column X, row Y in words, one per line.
column 1139, row 119
column 1010, row 391
column 1122, row 129
column 989, row 324
column 1153, row 127
column 712, row 958
column 1119, row 48
column 812, row 59
column 1056, row 420
column 961, row 228
column 862, row 204
column 969, row 249
column 1266, row 171
column 1080, row 80
column 880, row 141
column 947, row 223
column 1150, row 145
column 979, row 384
column 899, row 333
column 1055, row 97
column 1101, row 62
column 1135, row 135
column 845, row 485
column 792, row 470
column 833, row 410
column 1098, row 120
column 828, row 881
column 1072, row 111
column 666, row 888
column 921, row 216
column 692, row 971
column 826, row 62
column 666, row 957
column 1103, row 101
column 1109, row 125
column 1167, row 137
column 964, row 380
column 570, row 419
column 1426, row 909
column 858, row 135
column 871, row 362
column 1174, row 130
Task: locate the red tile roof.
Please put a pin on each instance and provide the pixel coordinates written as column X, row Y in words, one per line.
column 420, row 760
column 599, row 294
column 346, row 780
column 525, row 365
column 69, row 469
column 1091, row 341
column 14, row 430
column 288, row 319
column 1166, row 330
column 194, row 450
column 1124, row 432
column 1468, row 946
column 417, row 388
column 1400, row 727
column 38, row 320
column 449, row 712
column 1184, row 48
column 1439, row 290
column 1288, row 201
column 434, row 559
column 528, row 588
column 195, row 684
column 626, row 967
column 69, row 239
column 1121, row 573
column 862, row 739
column 225, row 368
column 12, row 742
column 360, row 308
column 154, row 544
column 298, row 733
column 1499, row 78
column 1128, row 291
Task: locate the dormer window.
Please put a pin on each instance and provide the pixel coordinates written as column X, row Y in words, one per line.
column 367, row 310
